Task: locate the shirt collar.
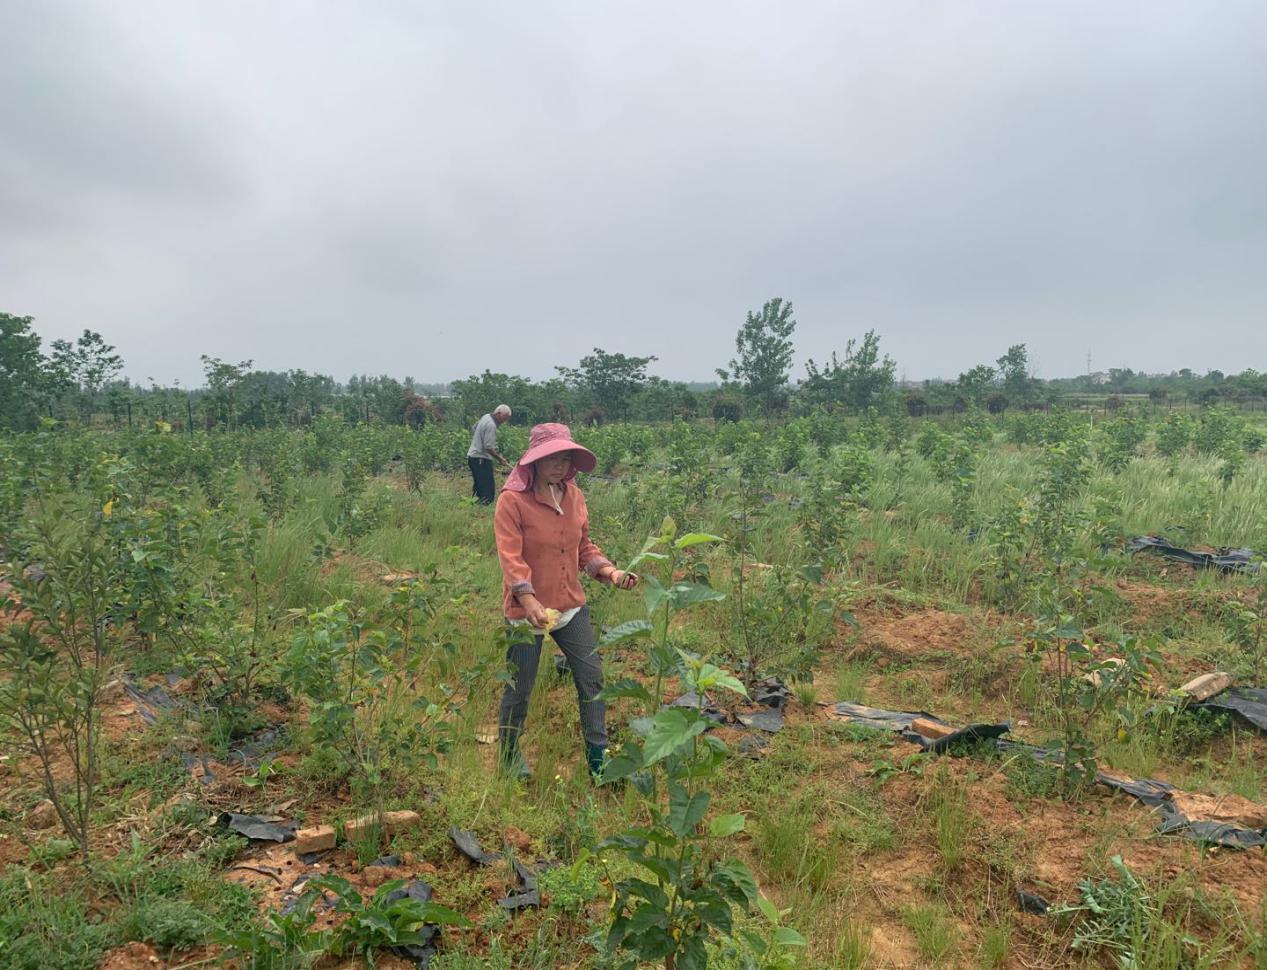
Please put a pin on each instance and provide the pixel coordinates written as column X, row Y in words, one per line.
column 543, row 500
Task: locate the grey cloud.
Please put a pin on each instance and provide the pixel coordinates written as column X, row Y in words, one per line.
column 436, row 189
column 85, row 124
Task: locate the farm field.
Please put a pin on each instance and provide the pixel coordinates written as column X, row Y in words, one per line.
column 304, row 627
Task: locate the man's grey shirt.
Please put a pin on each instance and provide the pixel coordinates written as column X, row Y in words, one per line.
column 484, row 437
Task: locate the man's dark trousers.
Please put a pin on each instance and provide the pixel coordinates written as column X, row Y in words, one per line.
column 482, row 486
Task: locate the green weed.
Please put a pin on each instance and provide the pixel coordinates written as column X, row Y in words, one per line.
column 951, row 820
column 850, row 683
column 934, row 932
column 996, row 942
column 853, row 947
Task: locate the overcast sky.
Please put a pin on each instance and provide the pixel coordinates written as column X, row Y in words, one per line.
column 430, row 189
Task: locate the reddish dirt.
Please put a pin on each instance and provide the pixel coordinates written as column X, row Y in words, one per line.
column 1041, row 845
column 1044, row 846
column 10, row 616
column 369, row 571
column 928, row 633
column 132, row 956
column 1232, row 809
column 278, row 874
column 383, row 960
column 1148, row 601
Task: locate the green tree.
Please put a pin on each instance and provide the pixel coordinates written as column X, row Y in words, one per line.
column 1120, row 379
column 224, row 380
column 480, row 393
column 24, row 376
column 311, row 394
column 764, row 354
column 1018, row 385
column 978, row 383
column 861, row 381
column 85, row 367
column 609, row 380
column 380, row 399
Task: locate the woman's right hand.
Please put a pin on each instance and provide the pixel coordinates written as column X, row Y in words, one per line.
column 534, row 612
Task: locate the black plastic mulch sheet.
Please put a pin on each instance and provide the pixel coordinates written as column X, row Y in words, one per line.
column 965, row 735
column 881, row 720
column 1156, row 794
column 1247, row 702
column 1032, row 902
column 1153, row 793
column 256, row 747
column 707, row 708
column 254, row 827
column 772, row 694
column 769, row 721
column 189, row 761
column 470, row 847
column 151, row 702
column 901, row 721
column 1225, row 559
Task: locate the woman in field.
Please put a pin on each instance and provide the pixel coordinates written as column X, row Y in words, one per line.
column 542, row 530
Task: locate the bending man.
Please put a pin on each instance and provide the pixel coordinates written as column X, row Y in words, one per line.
column 483, row 452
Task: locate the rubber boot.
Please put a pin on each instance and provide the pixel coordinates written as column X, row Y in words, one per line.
column 595, row 756
column 511, row 761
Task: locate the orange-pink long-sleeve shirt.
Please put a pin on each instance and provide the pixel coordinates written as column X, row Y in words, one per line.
column 542, row 551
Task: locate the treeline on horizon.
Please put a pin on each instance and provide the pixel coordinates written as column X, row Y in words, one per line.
column 79, row 384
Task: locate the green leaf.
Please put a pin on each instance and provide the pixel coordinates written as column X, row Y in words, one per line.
column 692, row 955
column 758, row 945
column 624, row 631
column 377, row 921
column 442, row 915
column 657, row 867
column 786, row 936
column 685, row 812
column 648, row 916
column 651, row 893
column 695, row 539
column 654, row 595
column 714, row 910
column 621, row 766
column 768, row 910
column 638, row 559
column 811, row 573
column 726, row 825
column 668, row 529
column 688, row 594
column 711, row 676
column 646, row 553
column 669, row 731
column 629, row 688
column 738, row 880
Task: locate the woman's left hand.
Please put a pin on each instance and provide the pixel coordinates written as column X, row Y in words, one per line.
column 622, row 579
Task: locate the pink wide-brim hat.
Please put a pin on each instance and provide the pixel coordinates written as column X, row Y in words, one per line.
column 549, row 439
